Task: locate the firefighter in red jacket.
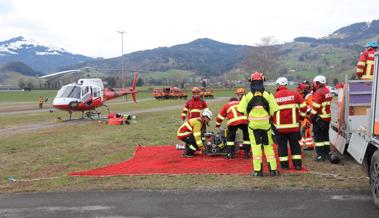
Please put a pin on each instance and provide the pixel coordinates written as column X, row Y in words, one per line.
column 292, row 108
column 193, row 107
column 235, row 121
column 321, row 117
column 191, row 132
column 365, row 66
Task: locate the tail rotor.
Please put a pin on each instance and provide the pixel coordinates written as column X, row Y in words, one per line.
column 134, row 86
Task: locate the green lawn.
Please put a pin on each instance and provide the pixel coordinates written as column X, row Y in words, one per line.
column 19, row 96
column 41, row 160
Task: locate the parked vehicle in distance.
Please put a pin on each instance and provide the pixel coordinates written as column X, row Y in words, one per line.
column 169, row 93
column 333, row 90
column 206, row 93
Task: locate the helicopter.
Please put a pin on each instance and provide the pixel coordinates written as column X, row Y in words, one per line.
column 86, row 95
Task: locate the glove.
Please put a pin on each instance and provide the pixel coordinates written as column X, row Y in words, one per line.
column 202, row 150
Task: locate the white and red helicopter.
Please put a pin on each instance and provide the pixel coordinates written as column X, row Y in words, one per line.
column 88, row 94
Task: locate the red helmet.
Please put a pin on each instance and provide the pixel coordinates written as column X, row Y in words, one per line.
column 195, row 90
column 303, row 86
column 257, row 76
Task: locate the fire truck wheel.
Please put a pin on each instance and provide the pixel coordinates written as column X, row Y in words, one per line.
column 374, row 177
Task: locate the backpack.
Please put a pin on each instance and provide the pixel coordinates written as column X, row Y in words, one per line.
column 258, row 100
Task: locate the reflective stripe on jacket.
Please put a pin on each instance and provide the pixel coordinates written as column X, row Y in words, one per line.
column 291, row 107
column 229, row 111
column 365, row 66
column 258, row 116
column 322, row 100
column 308, row 100
column 191, row 127
column 193, row 108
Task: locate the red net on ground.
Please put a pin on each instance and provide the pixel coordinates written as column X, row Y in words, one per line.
column 149, row 160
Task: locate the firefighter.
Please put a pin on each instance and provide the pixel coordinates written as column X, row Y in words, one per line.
column 193, row 107
column 292, row 108
column 191, row 132
column 260, row 105
column 365, row 66
column 320, row 116
column 306, row 141
column 40, row 102
column 235, row 121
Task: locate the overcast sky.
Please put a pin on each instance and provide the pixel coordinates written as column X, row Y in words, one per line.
column 89, row 27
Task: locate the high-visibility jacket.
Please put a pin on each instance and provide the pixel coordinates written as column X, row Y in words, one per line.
column 258, row 117
column 191, row 127
column 292, row 107
column 229, row 111
column 365, row 66
column 193, row 108
column 322, row 99
column 308, row 100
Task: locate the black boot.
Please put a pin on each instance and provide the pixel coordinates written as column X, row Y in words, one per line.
column 273, row 172
column 258, row 173
column 320, row 158
column 188, row 152
column 229, row 152
column 284, row 165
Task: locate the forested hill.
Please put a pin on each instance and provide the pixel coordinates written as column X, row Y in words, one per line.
column 202, row 56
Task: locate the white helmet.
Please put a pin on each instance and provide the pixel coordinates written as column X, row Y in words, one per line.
column 320, row 78
column 207, row 113
column 282, row 81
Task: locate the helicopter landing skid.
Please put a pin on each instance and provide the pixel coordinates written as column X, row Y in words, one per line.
column 90, row 114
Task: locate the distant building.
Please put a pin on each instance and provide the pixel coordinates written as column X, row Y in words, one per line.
column 9, row 88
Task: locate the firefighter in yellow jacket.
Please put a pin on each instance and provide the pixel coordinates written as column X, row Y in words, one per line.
column 260, row 105
column 191, row 132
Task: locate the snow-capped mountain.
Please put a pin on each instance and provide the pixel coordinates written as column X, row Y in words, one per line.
column 40, row 57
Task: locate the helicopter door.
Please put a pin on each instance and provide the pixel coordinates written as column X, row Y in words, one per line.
column 96, row 92
column 86, row 94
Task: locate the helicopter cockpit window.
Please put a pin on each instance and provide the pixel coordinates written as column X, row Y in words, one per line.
column 69, row 92
column 85, row 93
column 96, row 92
column 85, row 90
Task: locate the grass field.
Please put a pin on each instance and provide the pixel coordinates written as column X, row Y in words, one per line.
column 32, row 96
column 19, row 96
column 41, row 160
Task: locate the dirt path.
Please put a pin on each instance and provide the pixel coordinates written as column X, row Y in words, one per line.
column 43, row 125
column 21, row 109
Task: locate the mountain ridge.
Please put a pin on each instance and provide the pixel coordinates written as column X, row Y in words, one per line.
column 40, row 57
column 334, row 55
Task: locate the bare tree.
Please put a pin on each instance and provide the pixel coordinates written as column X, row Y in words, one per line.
column 263, row 57
column 267, row 41
column 21, row 83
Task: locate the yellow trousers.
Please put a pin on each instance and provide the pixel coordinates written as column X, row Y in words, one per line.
column 259, row 139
